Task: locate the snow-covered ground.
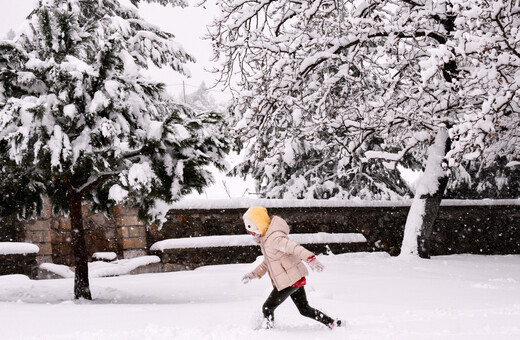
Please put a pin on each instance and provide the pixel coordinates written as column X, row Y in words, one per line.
column 448, row 297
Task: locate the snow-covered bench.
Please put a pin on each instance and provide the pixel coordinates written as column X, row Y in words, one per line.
column 18, row 258
column 192, row 252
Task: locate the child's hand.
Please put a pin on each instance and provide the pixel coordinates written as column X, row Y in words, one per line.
column 315, row 265
column 248, row 277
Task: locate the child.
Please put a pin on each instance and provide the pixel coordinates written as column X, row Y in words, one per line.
column 283, row 261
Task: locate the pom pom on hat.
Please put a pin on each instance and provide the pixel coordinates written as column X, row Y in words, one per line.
column 257, row 220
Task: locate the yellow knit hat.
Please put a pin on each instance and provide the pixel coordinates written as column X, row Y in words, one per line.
column 257, row 220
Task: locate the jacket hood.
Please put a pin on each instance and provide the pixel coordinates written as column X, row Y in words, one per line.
column 278, row 224
column 259, row 217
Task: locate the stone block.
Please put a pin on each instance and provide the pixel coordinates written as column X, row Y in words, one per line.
column 133, row 243
column 38, row 225
column 40, row 236
column 110, row 233
column 132, row 253
column 123, row 211
column 65, row 223
column 129, row 220
column 45, row 248
column 47, row 208
column 137, row 231
column 122, row 232
column 62, row 248
column 44, row 259
column 67, row 260
column 86, row 208
column 99, row 219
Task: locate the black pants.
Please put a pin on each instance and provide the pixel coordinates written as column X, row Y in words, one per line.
column 299, row 298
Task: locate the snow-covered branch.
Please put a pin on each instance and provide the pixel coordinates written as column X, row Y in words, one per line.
column 359, row 80
column 94, row 181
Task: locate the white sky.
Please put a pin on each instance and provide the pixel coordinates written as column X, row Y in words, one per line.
column 187, row 24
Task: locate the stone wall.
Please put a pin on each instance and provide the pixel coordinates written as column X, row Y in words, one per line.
column 122, row 234
column 468, row 228
column 12, row 231
column 24, row 264
column 39, row 232
column 475, row 229
column 492, row 230
column 131, row 233
column 100, row 234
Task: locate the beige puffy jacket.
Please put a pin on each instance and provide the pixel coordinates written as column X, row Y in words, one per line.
column 282, row 257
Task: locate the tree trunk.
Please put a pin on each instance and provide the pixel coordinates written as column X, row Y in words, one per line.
column 81, row 282
column 428, row 197
column 431, row 210
column 432, row 200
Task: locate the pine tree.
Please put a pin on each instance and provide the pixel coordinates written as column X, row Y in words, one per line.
column 80, row 123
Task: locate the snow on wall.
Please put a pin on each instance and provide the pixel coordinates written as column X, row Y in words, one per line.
column 7, row 248
column 58, row 269
column 244, row 203
column 104, row 269
column 247, row 240
column 120, row 267
column 104, row 255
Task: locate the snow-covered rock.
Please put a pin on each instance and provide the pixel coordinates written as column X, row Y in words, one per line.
column 7, row 248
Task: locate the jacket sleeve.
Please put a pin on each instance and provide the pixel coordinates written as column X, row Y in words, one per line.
column 261, row 269
column 284, row 244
